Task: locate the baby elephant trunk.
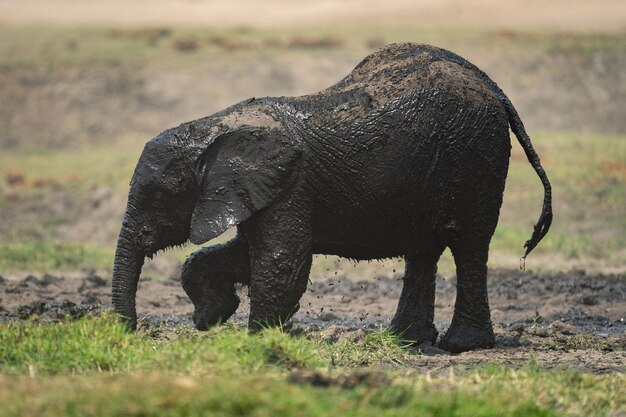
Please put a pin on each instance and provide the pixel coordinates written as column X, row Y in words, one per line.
column 129, row 258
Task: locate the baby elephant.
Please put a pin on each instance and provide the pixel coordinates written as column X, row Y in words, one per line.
column 405, row 156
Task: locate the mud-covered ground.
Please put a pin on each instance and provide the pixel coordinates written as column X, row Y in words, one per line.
column 564, row 320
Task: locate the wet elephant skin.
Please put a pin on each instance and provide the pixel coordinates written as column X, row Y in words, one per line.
column 405, row 156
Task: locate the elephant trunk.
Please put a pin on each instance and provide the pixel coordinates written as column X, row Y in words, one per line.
column 129, row 258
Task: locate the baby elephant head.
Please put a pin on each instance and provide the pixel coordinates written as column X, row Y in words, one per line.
column 191, row 184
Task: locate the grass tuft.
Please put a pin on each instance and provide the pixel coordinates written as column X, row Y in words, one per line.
column 100, row 344
column 380, row 348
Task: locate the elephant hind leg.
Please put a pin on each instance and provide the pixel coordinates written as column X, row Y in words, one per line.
column 209, row 276
column 471, row 326
column 415, row 313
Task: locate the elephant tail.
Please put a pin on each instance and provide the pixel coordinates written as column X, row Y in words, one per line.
column 545, row 220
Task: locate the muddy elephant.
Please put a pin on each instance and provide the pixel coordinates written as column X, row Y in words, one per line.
column 404, row 157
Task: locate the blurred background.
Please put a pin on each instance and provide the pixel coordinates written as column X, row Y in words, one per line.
column 84, row 84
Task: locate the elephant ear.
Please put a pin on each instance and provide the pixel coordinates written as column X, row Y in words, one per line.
column 243, row 173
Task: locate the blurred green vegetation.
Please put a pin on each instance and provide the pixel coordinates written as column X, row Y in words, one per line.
column 42, row 255
column 61, row 47
column 37, row 171
column 588, row 176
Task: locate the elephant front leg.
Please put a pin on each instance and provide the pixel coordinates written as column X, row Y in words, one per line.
column 414, row 317
column 209, row 276
column 280, row 261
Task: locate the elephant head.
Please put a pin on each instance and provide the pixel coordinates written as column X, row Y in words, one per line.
column 193, row 183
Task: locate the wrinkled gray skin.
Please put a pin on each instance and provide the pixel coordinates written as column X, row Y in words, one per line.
column 405, row 156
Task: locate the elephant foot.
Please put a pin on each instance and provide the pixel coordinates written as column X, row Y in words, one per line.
column 461, row 338
column 215, row 311
column 271, row 318
column 417, row 335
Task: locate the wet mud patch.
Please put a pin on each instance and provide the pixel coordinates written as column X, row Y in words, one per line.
column 565, row 320
column 51, row 297
column 55, row 311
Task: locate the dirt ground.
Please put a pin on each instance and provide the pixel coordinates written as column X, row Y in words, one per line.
column 564, row 320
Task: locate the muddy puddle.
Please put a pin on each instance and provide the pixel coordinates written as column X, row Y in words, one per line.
column 569, row 320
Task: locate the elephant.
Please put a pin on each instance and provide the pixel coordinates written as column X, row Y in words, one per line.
column 404, row 157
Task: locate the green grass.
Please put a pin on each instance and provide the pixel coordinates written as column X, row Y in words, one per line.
column 53, row 256
column 588, row 177
column 101, row 344
column 509, row 239
column 94, row 367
